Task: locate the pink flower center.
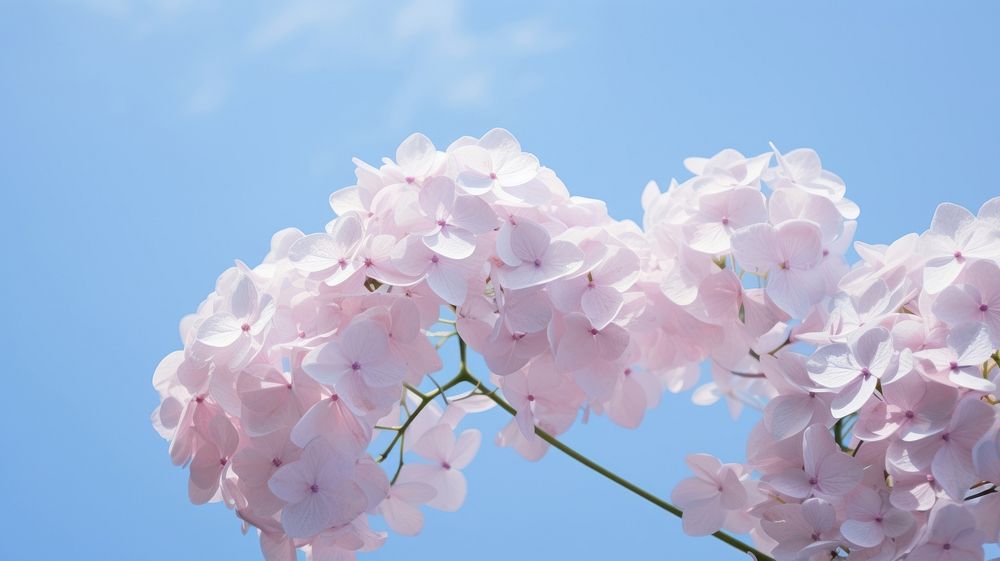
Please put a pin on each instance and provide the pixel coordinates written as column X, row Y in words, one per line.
column 783, row 265
column 531, row 397
column 538, row 263
column 517, row 335
column 628, row 372
column 342, row 262
column 946, row 546
column 223, row 461
column 815, row 536
column 493, row 175
column 199, row 399
column 930, row 478
column 725, row 221
column 909, row 414
column 276, row 462
column 369, row 262
column 334, row 397
column 945, row 437
column 594, row 331
column 813, row 481
column 245, row 327
column 983, row 307
column 355, row 366
column 953, row 366
column 410, row 179
column 441, row 222
column 314, row 488
column 445, row 465
column 878, row 519
column 958, row 255
column 434, row 259
column 866, row 373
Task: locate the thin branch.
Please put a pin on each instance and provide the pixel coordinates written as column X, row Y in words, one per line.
column 565, row 449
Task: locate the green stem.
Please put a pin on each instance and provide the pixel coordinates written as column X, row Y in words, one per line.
column 558, row 444
column 425, row 399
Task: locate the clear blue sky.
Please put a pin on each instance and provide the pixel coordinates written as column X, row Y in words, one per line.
column 145, row 145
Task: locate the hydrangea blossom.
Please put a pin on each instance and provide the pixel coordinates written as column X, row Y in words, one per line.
column 296, row 399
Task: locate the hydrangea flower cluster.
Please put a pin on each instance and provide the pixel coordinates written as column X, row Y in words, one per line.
column 879, row 437
column 292, row 369
column 296, row 398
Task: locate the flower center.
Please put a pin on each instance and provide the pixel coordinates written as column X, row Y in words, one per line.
column 410, row 179
column 276, row 462
column 314, row 488
column 953, row 366
column 945, row 437
column 445, row 465
column 813, row 481
column 538, row 262
column 725, row 221
column 946, row 546
column 245, row 327
column 355, row 366
column 493, row 175
column 531, row 397
column 866, row 373
column 909, row 414
column 434, row 259
column 983, row 307
column 594, row 331
column 958, row 255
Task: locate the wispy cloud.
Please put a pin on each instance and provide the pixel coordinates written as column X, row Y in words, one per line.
column 209, row 95
column 432, row 50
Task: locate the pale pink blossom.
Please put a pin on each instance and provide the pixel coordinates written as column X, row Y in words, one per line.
column 237, row 331
column 952, row 536
column 532, row 258
column 449, row 456
column 401, row 506
column 826, row 471
column 852, row 369
column 976, row 299
column 318, row 490
column 788, row 254
column 955, row 239
column 359, row 365
column 871, row 519
column 802, row 531
column 707, row 498
column 451, row 222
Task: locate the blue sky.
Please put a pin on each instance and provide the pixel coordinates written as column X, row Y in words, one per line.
column 145, row 145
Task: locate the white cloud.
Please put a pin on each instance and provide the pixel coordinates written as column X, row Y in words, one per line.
column 446, row 60
column 209, row 95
